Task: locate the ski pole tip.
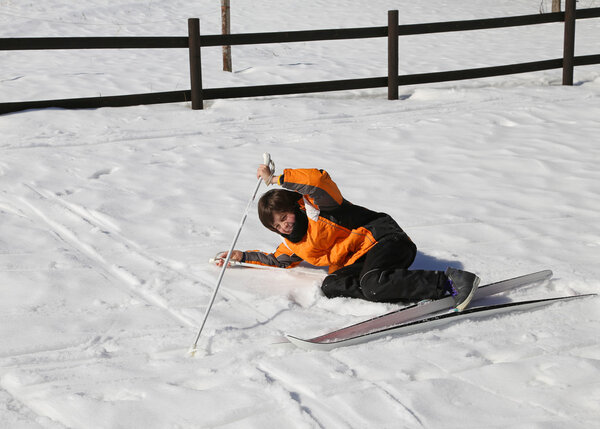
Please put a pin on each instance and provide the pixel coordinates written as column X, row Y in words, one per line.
column 196, row 352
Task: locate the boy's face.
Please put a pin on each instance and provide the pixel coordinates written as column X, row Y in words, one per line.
column 283, row 222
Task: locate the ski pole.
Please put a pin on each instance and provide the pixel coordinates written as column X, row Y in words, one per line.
column 267, row 161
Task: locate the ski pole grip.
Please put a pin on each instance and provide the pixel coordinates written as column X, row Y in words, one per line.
column 269, row 163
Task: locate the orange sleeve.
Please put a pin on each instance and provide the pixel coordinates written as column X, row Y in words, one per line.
column 283, row 257
column 315, row 184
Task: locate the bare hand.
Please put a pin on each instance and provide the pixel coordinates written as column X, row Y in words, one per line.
column 265, row 173
column 236, row 255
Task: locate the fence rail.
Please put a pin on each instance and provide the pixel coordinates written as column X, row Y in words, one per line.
column 392, row 31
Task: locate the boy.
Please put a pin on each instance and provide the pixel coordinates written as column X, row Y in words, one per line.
column 367, row 253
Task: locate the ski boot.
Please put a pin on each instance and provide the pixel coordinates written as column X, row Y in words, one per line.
column 462, row 285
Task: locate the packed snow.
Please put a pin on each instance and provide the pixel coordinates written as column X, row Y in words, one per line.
column 108, row 218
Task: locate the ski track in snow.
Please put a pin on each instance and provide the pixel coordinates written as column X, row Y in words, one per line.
column 308, row 400
column 116, row 270
column 138, row 283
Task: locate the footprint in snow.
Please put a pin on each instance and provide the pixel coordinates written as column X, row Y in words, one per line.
column 103, row 172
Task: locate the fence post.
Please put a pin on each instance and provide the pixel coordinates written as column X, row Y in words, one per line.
column 555, row 5
column 569, row 43
column 226, row 29
column 195, row 63
column 392, row 54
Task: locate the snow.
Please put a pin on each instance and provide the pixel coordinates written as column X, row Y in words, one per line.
column 108, row 218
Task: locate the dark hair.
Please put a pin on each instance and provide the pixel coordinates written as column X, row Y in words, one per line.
column 276, row 200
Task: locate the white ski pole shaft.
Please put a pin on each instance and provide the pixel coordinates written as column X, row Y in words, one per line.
column 267, row 161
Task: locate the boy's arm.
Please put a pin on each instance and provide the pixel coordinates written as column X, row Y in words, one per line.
column 282, row 258
column 316, row 184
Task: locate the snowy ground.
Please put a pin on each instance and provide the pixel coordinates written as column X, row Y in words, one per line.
column 108, row 218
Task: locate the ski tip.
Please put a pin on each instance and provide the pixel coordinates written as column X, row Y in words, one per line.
column 298, row 342
column 304, row 344
column 292, row 339
column 543, row 274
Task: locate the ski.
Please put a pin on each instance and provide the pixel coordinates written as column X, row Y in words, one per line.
column 429, row 323
column 418, row 311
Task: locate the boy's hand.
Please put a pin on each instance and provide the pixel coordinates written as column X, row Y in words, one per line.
column 266, row 174
column 236, row 255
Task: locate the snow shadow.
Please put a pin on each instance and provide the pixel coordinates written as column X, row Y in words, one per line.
column 424, row 261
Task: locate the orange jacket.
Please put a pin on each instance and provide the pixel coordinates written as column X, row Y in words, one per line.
column 339, row 232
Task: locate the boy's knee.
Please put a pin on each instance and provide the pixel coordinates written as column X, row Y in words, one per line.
column 329, row 286
column 370, row 285
column 336, row 285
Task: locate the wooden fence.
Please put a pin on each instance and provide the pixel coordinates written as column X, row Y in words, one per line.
column 194, row 41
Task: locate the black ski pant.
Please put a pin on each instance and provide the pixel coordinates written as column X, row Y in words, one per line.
column 382, row 275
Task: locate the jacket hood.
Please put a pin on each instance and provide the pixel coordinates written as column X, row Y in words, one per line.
column 300, row 226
